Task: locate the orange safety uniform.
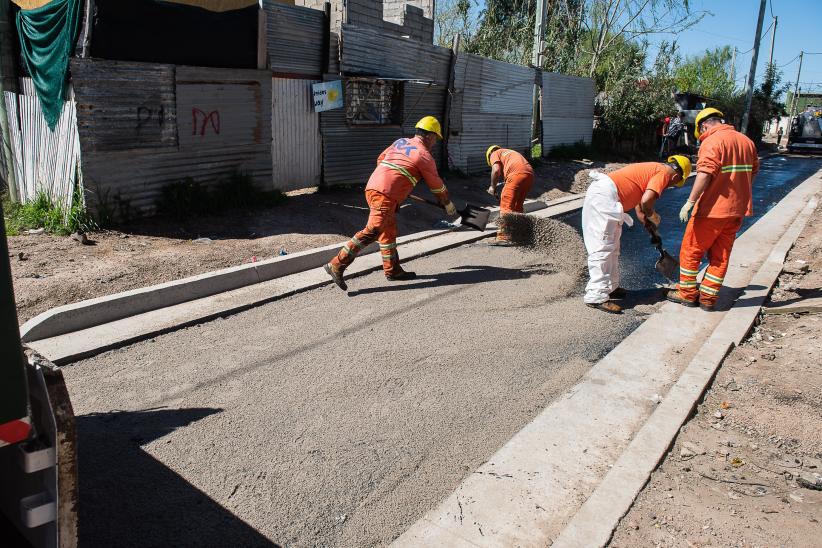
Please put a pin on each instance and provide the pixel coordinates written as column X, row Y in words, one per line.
column 519, row 178
column 731, row 160
column 633, row 180
column 399, row 168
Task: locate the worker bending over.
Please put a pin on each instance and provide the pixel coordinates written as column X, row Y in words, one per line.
column 399, row 168
column 511, row 167
column 636, row 186
column 720, row 198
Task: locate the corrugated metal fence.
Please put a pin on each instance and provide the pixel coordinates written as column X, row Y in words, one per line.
column 222, row 126
column 567, row 110
column 294, row 38
column 45, row 161
column 492, row 104
column 296, row 146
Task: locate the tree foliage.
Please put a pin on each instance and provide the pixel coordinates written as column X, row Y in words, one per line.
column 708, row 74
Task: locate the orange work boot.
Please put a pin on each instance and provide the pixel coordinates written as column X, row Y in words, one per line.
column 400, row 276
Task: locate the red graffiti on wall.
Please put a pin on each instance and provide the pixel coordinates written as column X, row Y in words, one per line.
column 213, row 117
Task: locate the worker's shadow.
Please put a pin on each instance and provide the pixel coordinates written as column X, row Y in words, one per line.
column 460, row 275
column 129, row 498
column 642, row 297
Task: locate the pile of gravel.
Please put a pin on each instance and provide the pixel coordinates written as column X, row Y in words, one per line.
column 557, row 242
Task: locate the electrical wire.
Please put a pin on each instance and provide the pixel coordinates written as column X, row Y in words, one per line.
column 789, row 62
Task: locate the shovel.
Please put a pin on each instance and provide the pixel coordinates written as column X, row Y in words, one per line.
column 665, row 265
column 471, row 216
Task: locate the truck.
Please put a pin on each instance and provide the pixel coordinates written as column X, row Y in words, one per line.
column 805, row 133
column 38, row 455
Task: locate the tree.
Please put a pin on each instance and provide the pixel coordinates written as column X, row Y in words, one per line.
column 453, row 17
column 707, row 74
column 633, row 98
column 607, row 22
column 505, row 31
column 765, row 104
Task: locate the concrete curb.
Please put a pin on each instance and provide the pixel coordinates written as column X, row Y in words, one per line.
column 74, row 345
column 601, row 513
column 102, row 310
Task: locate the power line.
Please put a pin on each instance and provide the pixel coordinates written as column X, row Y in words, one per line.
column 789, row 62
column 770, row 5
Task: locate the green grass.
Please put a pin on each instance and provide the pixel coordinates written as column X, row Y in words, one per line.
column 42, row 213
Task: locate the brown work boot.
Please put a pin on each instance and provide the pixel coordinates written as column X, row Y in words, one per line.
column 676, row 297
column 336, row 275
column 706, row 307
column 607, row 306
column 400, row 276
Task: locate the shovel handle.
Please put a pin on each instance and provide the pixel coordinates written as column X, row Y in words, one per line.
column 424, row 201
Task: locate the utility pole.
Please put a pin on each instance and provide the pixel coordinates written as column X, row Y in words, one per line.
column 733, row 67
column 773, row 39
column 752, row 73
column 796, row 85
column 537, row 60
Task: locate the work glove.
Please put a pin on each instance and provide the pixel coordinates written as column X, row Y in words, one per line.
column 655, row 218
column 684, row 213
column 450, row 208
column 492, row 190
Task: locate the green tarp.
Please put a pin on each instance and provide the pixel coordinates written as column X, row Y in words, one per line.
column 47, row 38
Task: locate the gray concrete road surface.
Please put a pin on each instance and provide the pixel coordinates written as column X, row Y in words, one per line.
column 329, row 419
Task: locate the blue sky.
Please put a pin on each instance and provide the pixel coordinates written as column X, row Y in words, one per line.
column 733, row 23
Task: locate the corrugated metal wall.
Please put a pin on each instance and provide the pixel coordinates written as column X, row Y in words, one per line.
column 370, row 52
column 294, row 38
column 237, row 138
column 350, row 152
column 44, row 160
column 125, row 106
column 567, row 110
column 296, row 147
column 492, row 104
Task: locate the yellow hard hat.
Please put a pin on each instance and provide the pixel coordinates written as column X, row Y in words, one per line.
column 488, row 152
column 684, row 164
column 429, row 123
column 704, row 114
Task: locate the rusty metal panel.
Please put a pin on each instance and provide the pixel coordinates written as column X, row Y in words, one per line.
column 219, row 107
column 294, row 38
column 235, row 139
column 370, row 52
column 296, row 147
column 137, row 178
column 492, row 104
column 124, row 105
column 45, row 161
column 568, row 110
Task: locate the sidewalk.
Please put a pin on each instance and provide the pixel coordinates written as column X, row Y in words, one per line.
column 731, row 478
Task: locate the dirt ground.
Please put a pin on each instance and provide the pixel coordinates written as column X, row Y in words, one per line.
column 735, row 474
column 50, row 271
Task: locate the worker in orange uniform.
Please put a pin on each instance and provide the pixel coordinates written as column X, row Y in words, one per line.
column 399, row 168
column 636, row 186
column 511, row 167
column 720, row 199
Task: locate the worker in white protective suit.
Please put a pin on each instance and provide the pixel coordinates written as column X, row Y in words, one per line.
column 638, row 187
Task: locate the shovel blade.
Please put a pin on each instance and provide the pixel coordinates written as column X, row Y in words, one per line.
column 474, row 217
column 667, row 266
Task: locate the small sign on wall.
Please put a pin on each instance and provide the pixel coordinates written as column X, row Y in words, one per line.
column 327, row 95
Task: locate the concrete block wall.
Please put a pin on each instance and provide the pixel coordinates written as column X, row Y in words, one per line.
column 412, row 18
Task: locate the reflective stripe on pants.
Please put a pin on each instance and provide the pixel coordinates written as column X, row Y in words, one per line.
column 714, row 237
column 381, row 227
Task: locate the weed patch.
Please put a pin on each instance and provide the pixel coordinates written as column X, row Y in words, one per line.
column 188, row 198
